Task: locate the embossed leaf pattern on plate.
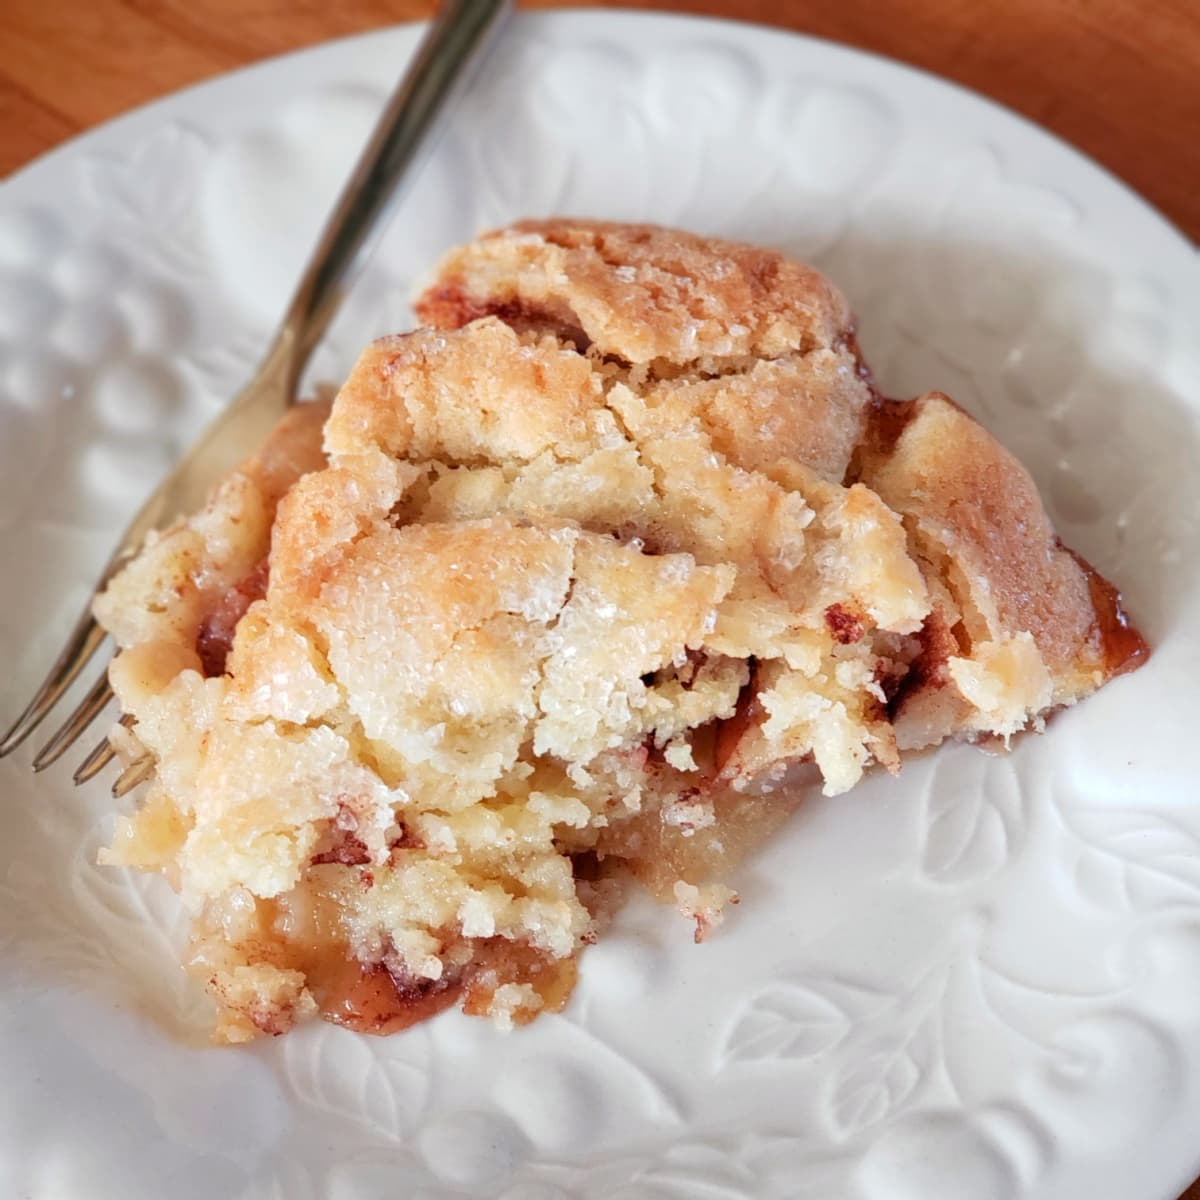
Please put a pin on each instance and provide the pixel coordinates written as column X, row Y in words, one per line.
column 345, row 1077
column 785, row 1022
column 1135, row 859
column 153, row 192
column 972, row 816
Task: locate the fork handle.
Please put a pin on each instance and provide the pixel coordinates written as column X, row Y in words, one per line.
column 449, row 54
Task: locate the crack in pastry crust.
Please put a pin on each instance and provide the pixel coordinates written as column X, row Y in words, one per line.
column 588, row 575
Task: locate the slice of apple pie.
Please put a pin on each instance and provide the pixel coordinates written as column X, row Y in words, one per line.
column 588, row 574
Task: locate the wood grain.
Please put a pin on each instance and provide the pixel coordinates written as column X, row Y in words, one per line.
column 1118, row 78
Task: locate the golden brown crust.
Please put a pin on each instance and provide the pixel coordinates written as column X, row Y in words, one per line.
column 156, row 608
column 494, row 396
column 971, row 504
column 798, row 408
column 642, row 292
column 977, row 523
column 756, row 346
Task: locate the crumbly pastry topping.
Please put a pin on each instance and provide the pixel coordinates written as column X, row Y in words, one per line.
column 588, row 572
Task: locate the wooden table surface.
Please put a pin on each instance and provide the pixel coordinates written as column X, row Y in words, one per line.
column 1118, row 78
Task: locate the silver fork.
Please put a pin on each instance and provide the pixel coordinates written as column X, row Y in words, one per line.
column 457, row 41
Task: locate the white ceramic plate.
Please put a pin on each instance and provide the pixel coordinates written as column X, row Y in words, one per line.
column 980, row 981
